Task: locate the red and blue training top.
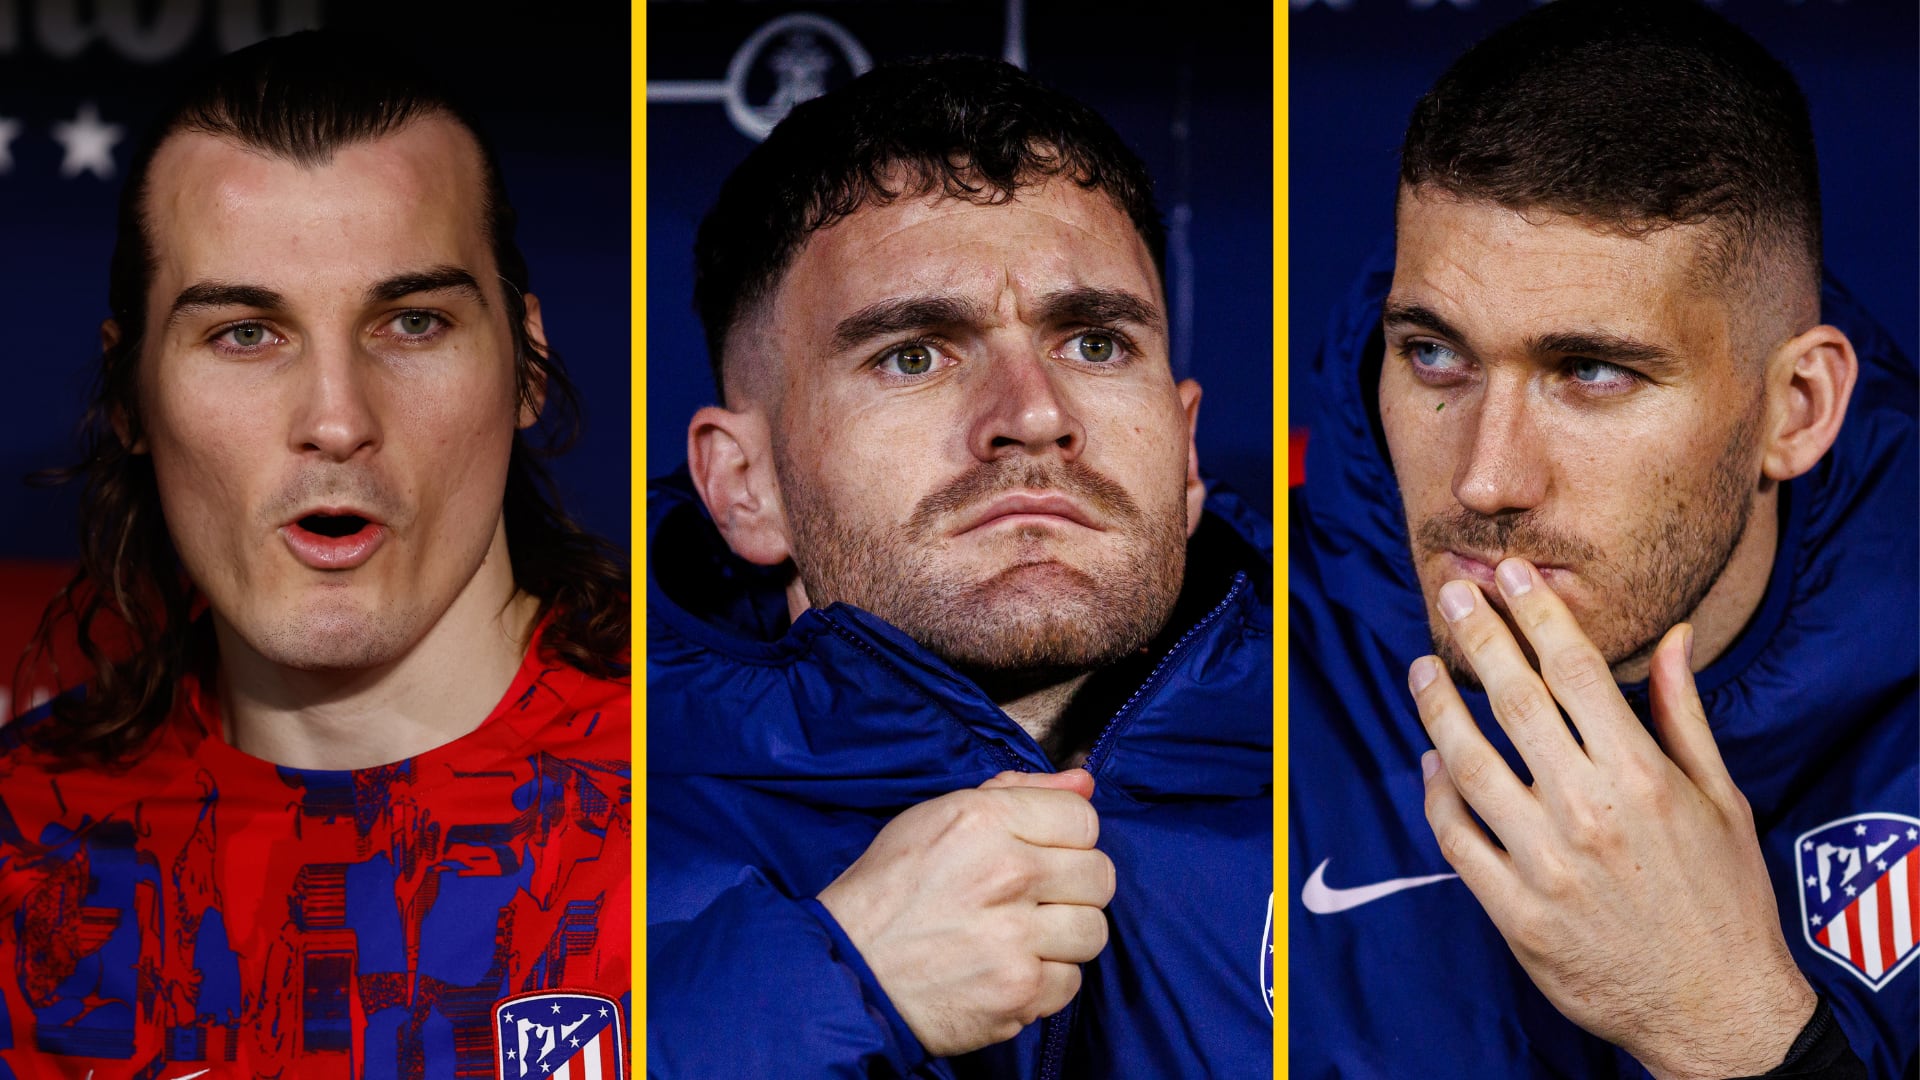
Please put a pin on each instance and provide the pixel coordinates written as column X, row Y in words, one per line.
column 205, row 913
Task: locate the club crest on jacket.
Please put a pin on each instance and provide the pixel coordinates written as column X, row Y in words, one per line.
column 1860, row 892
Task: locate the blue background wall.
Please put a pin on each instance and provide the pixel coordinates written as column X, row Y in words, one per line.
column 1188, row 86
column 1357, row 66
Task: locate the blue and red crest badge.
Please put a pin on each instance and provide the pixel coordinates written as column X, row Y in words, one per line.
column 559, row 1035
column 1860, row 892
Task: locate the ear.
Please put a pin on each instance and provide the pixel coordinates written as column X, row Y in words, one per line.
column 536, row 399
column 730, row 455
column 1809, row 379
column 122, row 423
column 1196, row 490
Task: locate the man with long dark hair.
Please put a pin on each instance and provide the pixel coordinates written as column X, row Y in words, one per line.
column 347, row 790
column 1603, row 592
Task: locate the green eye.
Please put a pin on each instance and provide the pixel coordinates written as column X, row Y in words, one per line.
column 1095, row 348
column 415, row 323
column 915, row 359
column 249, row 336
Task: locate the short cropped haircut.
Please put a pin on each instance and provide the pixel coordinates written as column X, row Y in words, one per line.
column 967, row 127
column 1637, row 114
column 298, row 98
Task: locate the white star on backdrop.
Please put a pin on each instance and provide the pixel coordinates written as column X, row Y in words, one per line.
column 1880, row 865
column 1816, row 920
column 1851, row 890
column 1810, row 881
column 88, row 143
column 8, row 130
column 1859, row 830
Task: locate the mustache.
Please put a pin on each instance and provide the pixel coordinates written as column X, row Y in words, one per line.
column 336, row 487
column 990, row 478
column 1509, row 534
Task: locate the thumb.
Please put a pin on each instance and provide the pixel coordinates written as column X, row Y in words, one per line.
column 1078, row 781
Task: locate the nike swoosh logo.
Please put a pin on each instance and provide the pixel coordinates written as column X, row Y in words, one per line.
column 190, row 1076
column 1323, row 899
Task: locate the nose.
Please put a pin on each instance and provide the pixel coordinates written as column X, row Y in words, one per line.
column 1020, row 409
column 336, row 415
column 1504, row 468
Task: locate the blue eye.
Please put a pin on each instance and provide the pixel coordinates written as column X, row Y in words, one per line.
column 1432, row 355
column 1594, row 371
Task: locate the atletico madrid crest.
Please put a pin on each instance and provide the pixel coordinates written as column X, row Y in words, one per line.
column 559, row 1035
column 1860, row 893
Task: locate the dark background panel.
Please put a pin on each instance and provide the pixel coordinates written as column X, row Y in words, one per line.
column 1188, row 86
column 1357, row 66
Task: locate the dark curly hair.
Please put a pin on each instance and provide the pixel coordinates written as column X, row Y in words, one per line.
column 297, row 98
column 969, row 127
column 1636, row 113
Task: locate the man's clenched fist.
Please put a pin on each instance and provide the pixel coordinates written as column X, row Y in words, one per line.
column 973, row 909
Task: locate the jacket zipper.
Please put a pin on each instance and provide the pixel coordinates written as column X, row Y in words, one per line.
column 1053, row 1030
column 1153, row 677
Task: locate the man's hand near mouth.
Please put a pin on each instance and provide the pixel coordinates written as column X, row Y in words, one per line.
column 1627, row 879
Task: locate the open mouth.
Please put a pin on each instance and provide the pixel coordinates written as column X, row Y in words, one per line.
column 326, row 541
column 334, row 526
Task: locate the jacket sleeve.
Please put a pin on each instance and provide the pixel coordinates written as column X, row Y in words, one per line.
column 761, row 984
column 1821, row 1051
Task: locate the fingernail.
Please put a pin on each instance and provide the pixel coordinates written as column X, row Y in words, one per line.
column 1422, row 673
column 1515, row 578
column 1429, row 764
column 1687, row 645
column 1456, row 600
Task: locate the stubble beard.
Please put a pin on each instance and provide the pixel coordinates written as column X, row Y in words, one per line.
column 1033, row 615
column 1657, row 579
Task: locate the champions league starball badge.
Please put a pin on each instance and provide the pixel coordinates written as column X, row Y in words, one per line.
column 559, row 1035
column 1860, row 892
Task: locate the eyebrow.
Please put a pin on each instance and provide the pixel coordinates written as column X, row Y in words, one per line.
column 1076, row 305
column 218, row 294
column 900, row 315
column 1611, row 348
column 437, row 279
column 1591, row 344
column 1401, row 315
column 1100, row 306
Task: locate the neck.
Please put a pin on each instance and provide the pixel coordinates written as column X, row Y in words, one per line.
column 1041, row 706
column 1065, row 711
column 439, row 688
column 1736, row 594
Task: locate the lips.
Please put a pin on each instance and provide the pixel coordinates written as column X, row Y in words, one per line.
column 333, row 539
column 1028, row 508
column 1478, row 568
